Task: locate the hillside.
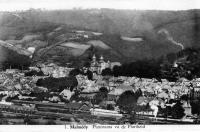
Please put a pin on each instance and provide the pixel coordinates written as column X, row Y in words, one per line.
column 64, row 36
column 13, row 57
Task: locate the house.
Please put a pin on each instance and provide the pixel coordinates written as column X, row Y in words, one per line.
column 72, row 106
column 85, row 107
column 114, row 94
column 6, row 103
column 90, row 95
column 106, row 104
column 12, row 71
column 101, row 83
column 187, row 108
column 67, row 94
column 142, row 100
column 113, row 64
column 75, row 106
column 196, row 82
column 26, row 97
column 106, row 113
column 89, row 86
column 34, row 68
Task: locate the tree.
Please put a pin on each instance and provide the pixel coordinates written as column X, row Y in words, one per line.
column 127, row 102
column 86, row 64
column 89, row 74
column 195, row 104
column 74, row 72
column 77, row 71
column 106, row 72
column 116, row 71
column 27, row 120
column 110, row 107
column 103, row 90
column 177, row 111
column 102, row 95
column 138, row 93
column 36, row 73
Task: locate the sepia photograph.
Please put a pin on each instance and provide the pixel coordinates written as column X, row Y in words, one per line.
column 99, row 63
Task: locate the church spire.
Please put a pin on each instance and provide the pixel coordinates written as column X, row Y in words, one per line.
column 101, row 59
column 94, row 58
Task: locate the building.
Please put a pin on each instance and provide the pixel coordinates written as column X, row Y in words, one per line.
column 106, row 113
column 98, row 66
column 55, row 70
column 12, row 71
column 66, row 94
column 89, row 96
column 79, row 107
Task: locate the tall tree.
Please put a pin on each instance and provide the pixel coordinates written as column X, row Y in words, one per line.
column 127, row 102
column 102, row 95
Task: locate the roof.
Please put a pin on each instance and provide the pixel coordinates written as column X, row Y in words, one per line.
column 144, row 99
column 141, row 100
column 120, row 89
column 163, row 95
column 92, row 94
column 108, row 102
column 85, row 107
column 101, row 82
column 125, row 87
column 75, row 105
column 67, row 93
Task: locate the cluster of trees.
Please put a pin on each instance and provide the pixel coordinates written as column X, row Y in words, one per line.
column 58, row 84
column 189, row 68
column 127, row 101
column 34, row 73
column 11, row 59
column 141, row 68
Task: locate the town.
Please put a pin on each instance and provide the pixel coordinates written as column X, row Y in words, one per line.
column 52, row 94
column 99, row 67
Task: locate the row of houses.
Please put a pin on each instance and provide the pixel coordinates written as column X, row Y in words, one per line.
column 55, row 70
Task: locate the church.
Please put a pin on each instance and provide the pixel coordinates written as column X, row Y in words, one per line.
column 98, row 66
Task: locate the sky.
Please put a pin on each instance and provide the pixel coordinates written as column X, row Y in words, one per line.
column 13, row 5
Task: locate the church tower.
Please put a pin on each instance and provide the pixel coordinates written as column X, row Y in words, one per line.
column 101, row 60
column 94, row 64
column 94, row 58
column 102, row 64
